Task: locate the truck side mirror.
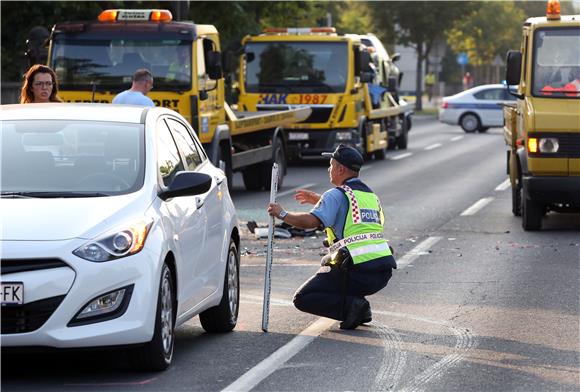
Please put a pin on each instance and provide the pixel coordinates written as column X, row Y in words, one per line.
column 214, row 66
column 365, row 62
column 514, row 67
column 395, row 57
column 366, row 77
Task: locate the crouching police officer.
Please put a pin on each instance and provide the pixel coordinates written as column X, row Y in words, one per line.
column 359, row 261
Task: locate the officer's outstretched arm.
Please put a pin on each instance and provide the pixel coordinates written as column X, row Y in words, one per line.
column 302, row 220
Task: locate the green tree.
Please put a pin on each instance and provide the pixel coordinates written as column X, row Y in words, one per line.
column 419, row 24
column 487, row 31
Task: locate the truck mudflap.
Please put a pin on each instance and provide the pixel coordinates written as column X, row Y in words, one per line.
column 246, row 122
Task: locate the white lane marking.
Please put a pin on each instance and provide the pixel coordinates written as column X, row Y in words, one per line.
column 433, row 146
column 503, row 186
column 401, row 156
column 394, row 360
column 456, row 138
column 365, row 167
column 478, row 205
column 417, row 251
column 291, row 191
column 269, row 365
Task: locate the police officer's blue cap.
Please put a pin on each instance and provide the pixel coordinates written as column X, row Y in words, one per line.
column 347, row 156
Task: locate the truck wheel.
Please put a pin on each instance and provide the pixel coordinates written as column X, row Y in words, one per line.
column 224, row 155
column 532, row 212
column 280, row 159
column 252, row 176
column 516, row 200
column 470, row 122
column 223, row 318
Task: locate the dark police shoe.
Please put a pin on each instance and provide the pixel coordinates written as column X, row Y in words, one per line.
column 357, row 310
column 367, row 316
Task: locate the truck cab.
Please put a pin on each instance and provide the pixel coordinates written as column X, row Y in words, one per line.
column 542, row 129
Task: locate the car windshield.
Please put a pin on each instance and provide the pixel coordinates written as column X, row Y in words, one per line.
column 557, row 63
column 296, row 67
column 109, row 64
column 52, row 158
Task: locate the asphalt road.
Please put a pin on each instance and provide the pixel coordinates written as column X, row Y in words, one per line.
column 477, row 304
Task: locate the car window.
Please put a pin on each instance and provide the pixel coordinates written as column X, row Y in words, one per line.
column 494, row 94
column 71, row 156
column 185, row 144
column 168, row 160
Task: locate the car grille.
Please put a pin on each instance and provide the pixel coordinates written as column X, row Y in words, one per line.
column 28, row 317
column 12, row 266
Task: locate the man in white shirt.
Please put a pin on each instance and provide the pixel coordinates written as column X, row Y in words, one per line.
column 136, row 95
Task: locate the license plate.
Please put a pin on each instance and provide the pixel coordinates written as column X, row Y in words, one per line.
column 298, row 136
column 12, row 293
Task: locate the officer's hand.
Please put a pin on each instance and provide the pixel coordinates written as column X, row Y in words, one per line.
column 304, row 196
column 274, row 209
column 326, row 260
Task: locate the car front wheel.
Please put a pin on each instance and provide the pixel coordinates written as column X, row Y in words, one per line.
column 223, row 318
column 158, row 353
column 470, row 122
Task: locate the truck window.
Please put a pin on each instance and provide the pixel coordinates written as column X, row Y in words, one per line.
column 556, row 71
column 302, row 67
column 109, row 63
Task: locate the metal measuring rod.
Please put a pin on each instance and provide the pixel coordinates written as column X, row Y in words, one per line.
column 267, row 280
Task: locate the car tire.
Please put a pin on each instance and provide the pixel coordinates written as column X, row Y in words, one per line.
column 280, row 158
column 532, row 212
column 483, row 129
column 223, row 318
column 158, row 353
column 470, row 122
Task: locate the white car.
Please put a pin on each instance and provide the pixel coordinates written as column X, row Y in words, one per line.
column 115, row 229
column 476, row 109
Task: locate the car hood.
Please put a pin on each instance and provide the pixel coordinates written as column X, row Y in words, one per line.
column 556, row 114
column 66, row 218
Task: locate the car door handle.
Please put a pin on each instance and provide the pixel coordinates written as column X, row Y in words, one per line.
column 199, row 202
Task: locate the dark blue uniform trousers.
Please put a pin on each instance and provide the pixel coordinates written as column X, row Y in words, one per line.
column 322, row 294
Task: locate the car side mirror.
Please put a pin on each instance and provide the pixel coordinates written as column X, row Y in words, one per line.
column 187, row 184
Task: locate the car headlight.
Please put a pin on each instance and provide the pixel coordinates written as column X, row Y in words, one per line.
column 115, row 244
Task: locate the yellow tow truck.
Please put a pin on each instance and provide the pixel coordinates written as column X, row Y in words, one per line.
column 332, row 74
column 95, row 60
column 542, row 129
